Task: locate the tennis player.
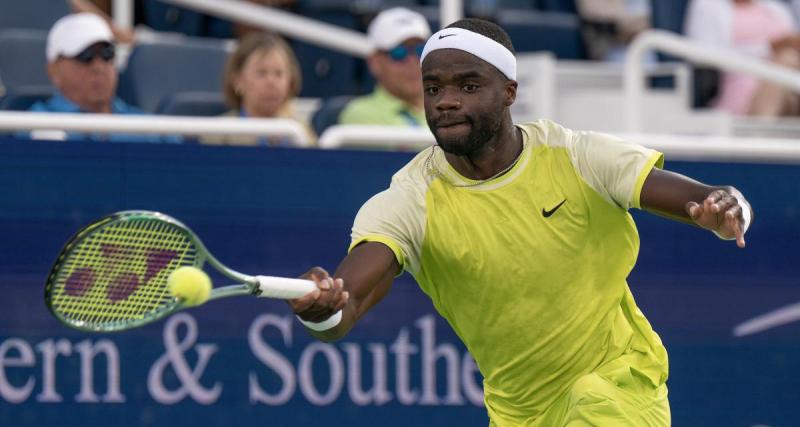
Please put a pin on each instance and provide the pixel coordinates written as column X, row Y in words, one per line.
column 521, row 236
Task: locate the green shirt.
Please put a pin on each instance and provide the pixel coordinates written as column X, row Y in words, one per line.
column 381, row 108
column 529, row 268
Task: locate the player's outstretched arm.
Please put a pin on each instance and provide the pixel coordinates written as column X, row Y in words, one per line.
column 362, row 279
column 719, row 209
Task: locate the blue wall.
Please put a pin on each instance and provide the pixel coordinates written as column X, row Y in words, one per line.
column 281, row 211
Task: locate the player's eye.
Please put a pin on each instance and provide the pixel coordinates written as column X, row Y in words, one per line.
column 470, row 88
column 431, row 90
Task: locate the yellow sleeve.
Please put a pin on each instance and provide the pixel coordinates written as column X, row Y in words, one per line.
column 616, row 169
column 396, row 218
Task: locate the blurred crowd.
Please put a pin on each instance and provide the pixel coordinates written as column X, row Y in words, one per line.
column 262, row 77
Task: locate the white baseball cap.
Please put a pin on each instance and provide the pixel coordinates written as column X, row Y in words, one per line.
column 73, row 33
column 396, row 25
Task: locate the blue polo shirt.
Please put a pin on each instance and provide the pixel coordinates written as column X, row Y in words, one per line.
column 58, row 103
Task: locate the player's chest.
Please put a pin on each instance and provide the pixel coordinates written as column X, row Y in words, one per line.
column 527, row 226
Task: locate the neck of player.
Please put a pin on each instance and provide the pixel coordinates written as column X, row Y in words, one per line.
column 495, row 157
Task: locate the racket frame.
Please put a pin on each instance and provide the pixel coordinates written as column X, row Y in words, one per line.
column 247, row 285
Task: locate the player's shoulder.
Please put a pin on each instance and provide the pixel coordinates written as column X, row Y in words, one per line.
column 418, row 173
column 407, row 190
column 547, row 133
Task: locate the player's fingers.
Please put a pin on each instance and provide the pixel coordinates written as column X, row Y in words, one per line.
column 327, row 296
column 709, row 203
column 712, row 201
column 304, row 303
column 337, row 285
column 726, row 203
column 325, row 283
column 315, row 273
column 336, row 291
column 716, row 195
column 734, row 212
column 341, row 301
column 737, row 224
column 694, row 210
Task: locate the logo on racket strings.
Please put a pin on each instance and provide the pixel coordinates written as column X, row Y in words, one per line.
column 122, row 283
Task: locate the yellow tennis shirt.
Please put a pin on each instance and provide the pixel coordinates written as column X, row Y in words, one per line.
column 529, row 268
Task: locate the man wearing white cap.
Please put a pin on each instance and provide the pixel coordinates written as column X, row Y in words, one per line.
column 397, row 36
column 520, row 235
column 80, row 62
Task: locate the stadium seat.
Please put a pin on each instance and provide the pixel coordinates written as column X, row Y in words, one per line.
column 193, row 104
column 22, row 58
column 489, row 8
column 21, row 98
column 328, row 113
column 307, row 6
column 31, row 14
column 555, row 32
column 566, row 6
column 669, row 14
column 158, row 70
column 219, row 28
column 327, row 72
column 166, row 17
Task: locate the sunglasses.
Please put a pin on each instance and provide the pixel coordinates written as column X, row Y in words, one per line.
column 401, row 52
column 105, row 52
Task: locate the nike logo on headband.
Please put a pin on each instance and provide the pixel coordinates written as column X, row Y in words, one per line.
column 441, row 36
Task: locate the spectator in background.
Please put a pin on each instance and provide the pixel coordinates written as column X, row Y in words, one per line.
column 609, row 26
column 262, row 79
column 80, row 62
column 762, row 28
column 397, row 36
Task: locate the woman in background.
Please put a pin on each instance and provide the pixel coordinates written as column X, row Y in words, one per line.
column 262, row 79
column 764, row 29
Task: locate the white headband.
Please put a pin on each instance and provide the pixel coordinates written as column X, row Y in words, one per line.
column 477, row 44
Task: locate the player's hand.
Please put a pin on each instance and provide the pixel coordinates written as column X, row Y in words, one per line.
column 722, row 213
column 322, row 303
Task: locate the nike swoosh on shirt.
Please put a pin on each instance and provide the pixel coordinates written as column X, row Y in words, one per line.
column 441, row 36
column 547, row 214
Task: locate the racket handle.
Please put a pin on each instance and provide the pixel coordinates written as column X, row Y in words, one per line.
column 284, row 287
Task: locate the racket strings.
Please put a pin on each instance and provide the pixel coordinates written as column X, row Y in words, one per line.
column 119, row 272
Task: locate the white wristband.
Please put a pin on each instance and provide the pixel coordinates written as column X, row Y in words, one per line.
column 325, row 324
column 747, row 216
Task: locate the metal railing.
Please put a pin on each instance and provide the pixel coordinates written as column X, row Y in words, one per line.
column 160, row 125
column 376, row 137
column 720, row 148
column 289, row 24
column 676, row 147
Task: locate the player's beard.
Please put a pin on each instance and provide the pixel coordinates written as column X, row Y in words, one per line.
column 481, row 131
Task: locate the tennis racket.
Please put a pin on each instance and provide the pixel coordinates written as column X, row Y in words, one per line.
column 112, row 274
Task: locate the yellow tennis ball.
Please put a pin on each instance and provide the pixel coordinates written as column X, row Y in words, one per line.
column 190, row 284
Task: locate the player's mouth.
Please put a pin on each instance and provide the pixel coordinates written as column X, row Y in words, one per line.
column 452, row 127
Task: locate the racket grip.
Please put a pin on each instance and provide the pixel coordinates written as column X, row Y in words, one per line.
column 284, row 287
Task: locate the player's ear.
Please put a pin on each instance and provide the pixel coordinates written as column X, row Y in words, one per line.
column 510, row 92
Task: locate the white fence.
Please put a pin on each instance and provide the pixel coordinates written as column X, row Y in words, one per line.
column 676, row 147
column 56, row 123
